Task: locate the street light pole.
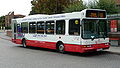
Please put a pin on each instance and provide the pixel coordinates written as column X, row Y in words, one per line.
column 56, row 5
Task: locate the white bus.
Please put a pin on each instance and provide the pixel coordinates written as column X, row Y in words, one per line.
column 84, row 31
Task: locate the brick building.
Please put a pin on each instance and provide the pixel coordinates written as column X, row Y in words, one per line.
column 11, row 16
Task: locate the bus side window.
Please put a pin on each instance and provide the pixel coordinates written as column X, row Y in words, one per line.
column 18, row 28
column 32, row 27
column 40, row 27
column 74, row 27
column 15, row 27
column 49, row 27
column 24, row 27
column 60, row 27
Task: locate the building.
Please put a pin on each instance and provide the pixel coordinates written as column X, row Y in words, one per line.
column 118, row 3
column 11, row 16
column 114, row 27
column 115, row 20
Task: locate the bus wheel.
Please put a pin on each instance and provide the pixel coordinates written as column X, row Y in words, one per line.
column 24, row 43
column 61, row 48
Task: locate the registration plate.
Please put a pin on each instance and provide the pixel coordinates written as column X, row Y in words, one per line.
column 99, row 49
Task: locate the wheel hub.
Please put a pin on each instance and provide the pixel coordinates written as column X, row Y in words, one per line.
column 61, row 47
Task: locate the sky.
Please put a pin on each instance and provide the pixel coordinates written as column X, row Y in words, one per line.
column 18, row 6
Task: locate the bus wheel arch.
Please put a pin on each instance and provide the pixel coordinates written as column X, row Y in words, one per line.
column 24, row 42
column 60, row 47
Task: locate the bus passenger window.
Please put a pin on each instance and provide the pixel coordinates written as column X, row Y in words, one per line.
column 24, row 27
column 74, row 27
column 60, row 27
column 15, row 27
column 18, row 28
column 49, row 27
column 32, row 27
column 40, row 27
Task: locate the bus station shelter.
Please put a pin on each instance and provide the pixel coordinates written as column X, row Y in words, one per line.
column 114, row 29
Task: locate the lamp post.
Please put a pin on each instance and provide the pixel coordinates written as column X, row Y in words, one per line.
column 56, row 5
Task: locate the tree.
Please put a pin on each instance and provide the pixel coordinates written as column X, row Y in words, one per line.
column 48, row 6
column 108, row 5
column 2, row 21
column 75, row 6
column 93, row 5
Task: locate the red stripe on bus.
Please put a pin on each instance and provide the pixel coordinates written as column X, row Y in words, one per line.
column 68, row 47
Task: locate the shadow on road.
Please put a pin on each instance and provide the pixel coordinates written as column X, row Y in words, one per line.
column 38, row 48
column 89, row 54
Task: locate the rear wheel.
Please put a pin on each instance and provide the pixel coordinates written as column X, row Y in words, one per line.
column 24, row 43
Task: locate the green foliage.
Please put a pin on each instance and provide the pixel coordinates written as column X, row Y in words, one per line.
column 93, row 4
column 9, row 27
column 60, row 6
column 77, row 6
column 48, row 6
column 108, row 5
column 2, row 21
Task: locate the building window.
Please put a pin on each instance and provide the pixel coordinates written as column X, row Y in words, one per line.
column 49, row 27
column 32, row 27
column 24, row 27
column 60, row 27
column 74, row 27
column 40, row 27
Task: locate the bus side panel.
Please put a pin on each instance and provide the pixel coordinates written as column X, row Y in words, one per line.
column 30, row 43
column 73, row 48
column 17, row 41
column 43, row 44
column 52, row 45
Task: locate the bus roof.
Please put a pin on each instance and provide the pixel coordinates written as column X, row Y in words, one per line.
column 43, row 17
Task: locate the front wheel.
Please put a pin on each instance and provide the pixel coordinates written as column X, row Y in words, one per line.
column 24, row 43
column 61, row 48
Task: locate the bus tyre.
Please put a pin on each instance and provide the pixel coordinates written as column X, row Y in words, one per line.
column 61, row 48
column 24, row 43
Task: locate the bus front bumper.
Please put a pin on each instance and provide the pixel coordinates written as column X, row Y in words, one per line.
column 92, row 49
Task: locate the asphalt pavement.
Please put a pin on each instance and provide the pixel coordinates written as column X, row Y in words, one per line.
column 15, row 56
column 112, row 49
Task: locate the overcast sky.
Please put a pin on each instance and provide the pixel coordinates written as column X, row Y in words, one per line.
column 18, row 6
